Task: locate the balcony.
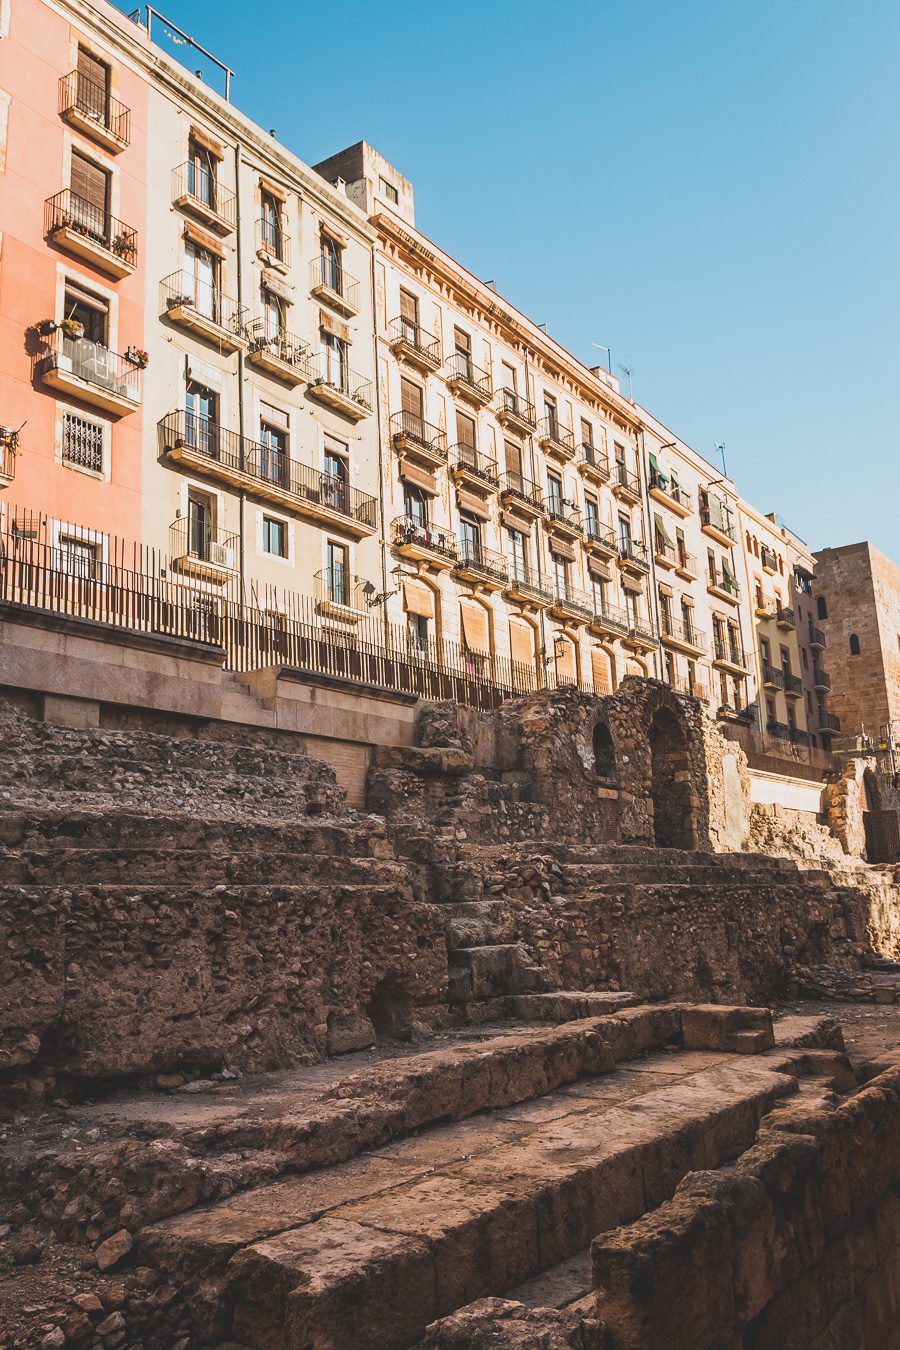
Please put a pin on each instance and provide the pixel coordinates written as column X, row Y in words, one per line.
column 201, row 551
column 527, row 586
column 336, row 288
column 477, row 563
column 686, row 566
column 600, row 540
column 515, row 413
column 411, row 343
column 773, row 678
column 87, row 371
column 340, row 595
column 626, row 486
column 473, row 469
column 684, row 636
column 724, row 587
column 633, row 557
column 664, row 554
column 206, row 448
column 641, row 635
column 728, row 653
column 593, row 463
column 793, row 685
column 768, row 560
column 683, row 684
column 609, row 620
column 197, row 190
column 413, row 538
column 522, row 495
column 412, row 435
column 828, row 724
column 556, row 440
column 785, row 618
column 563, row 518
column 273, row 246
column 765, row 606
column 7, row 457
column 469, row 381
column 90, row 108
column 821, row 680
column 203, row 310
column 333, row 382
column 281, row 354
column 783, row 731
column 90, row 233
column 569, row 603
column 670, row 494
column 715, row 520
column 816, row 639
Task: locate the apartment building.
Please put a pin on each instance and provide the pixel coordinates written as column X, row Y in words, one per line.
column 514, row 493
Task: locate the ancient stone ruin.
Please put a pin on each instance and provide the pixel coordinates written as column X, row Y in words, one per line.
column 539, row 1051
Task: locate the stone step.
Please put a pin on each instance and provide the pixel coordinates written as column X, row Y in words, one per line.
column 367, row 1254
column 485, row 972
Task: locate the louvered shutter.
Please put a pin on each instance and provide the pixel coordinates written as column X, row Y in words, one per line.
column 465, row 430
column 475, row 629
column 93, row 83
column 521, row 644
column 89, row 182
column 418, row 599
column 600, row 669
column 411, row 398
column 409, row 307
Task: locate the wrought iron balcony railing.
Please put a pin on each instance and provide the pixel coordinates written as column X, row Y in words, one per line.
column 527, row 581
column 192, row 540
column 338, row 376
column 773, row 677
column 411, row 428
column 634, row 552
column 468, row 459
column 340, row 588
column 522, row 489
column 785, row 617
column 723, row 581
column 474, row 557
column 661, row 484
column 626, row 482
column 462, row 370
column 182, row 291
column 197, row 185
column 327, row 276
column 564, row 513
column 687, row 633
column 78, row 94
column 554, row 433
column 687, row 563
column 593, row 459
column 601, row 536
column 816, row 638
column 67, row 211
column 613, row 617
column 282, row 346
column 829, row 724
column 768, row 559
column 714, row 515
column 573, row 601
column 821, row 679
column 408, row 532
column 729, row 650
column 418, row 339
column 510, row 405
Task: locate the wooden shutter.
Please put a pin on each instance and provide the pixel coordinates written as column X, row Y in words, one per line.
column 566, row 669
column 93, row 80
column 633, row 667
column 475, row 629
column 411, row 398
column 465, row 430
column 587, row 432
column 418, row 599
column 521, row 643
column 88, row 181
column 409, row 307
column 462, row 341
column 600, row 670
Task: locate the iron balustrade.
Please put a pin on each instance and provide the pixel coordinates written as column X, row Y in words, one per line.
column 272, row 240
column 643, row 630
column 768, row 559
column 683, row 684
column 665, row 485
column 7, row 461
column 199, row 184
column 793, row 684
column 284, row 346
column 816, row 637
column 722, row 581
column 613, row 617
column 509, row 402
column 786, row 617
column 66, row 210
column 407, row 531
column 407, row 426
column 715, row 514
column 687, row 563
column 182, row 290
column 461, row 368
column 474, row 557
column 604, row 536
column 563, row 512
column 730, row 650
column 634, row 552
column 664, row 550
column 79, row 94
column 687, row 633
column 191, row 538
column 525, row 580
column 553, row 430
column 472, row 461
column 629, row 482
column 94, row 364
column 337, row 586
column 513, row 484
column 324, row 369
column 418, row 338
column 594, row 459
column 821, row 680
column 327, row 274
column 829, row 722
column 773, row 677
column 573, row 601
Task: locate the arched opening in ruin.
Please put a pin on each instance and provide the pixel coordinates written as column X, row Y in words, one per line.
column 604, row 752
column 870, row 787
column 670, row 785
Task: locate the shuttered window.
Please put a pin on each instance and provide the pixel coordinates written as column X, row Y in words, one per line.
column 89, row 182
column 600, row 671
column 93, row 84
column 409, row 307
column 411, row 399
column 465, row 430
column 418, row 599
column 513, row 455
column 475, row 629
column 521, row 644
column 566, row 669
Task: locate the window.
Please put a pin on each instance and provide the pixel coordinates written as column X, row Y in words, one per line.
column 78, row 557
column 412, row 402
column 417, row 629
column 409, row 316
column 550, row 415
column 469, row 538
column 821, row 607
column 770, row 711
column 274, row 537
column 465, row 435
column 273, row 438
column 785, row 660
column 624, row 533
column 517, row 551
column 507, row 376
column 592, row 515
column 680, row 548
column 554, row 492
column 201, row 524
column 687, row 619
column 512, row 453
column 92, row 312
column 587, row 433
column 201, row 280
column 334, row 360
column 665, row 611
column 415, row 505
column 271, row 237
column 93, row 85
column 89, row 205
column 337, row 574
column 854, row 644
column 201, row 419
column 388, row 190
column 804, row 658
column 272, row 307
column 331, row 255
column 336, row 459
column 202, row 169
column 82, row 443
column 560, row 568
column 712, row 567
column 462, row 345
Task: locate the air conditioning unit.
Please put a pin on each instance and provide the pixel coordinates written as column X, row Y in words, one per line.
column 222, row 555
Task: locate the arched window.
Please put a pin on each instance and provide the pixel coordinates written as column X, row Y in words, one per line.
column 854, row 645
column 604, row 752
column 821, row 607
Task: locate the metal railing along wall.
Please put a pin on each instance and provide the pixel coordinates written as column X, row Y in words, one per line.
column 325, row 370
column 66, row 210
column 199, row 183
column 417, row 337
column 93, row 363
column 182, row 290
column 328, row 274
column 94, row 101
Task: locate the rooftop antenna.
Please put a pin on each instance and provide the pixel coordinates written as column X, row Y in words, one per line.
column 628, row 372
column 180, row 38
column 720, row 446
column 600, row 348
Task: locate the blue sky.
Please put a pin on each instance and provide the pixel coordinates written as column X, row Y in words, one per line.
column 708, row 187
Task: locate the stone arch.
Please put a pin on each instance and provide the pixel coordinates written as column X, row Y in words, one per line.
column 523, row 649
column 674, row 825
column 420, row 595
column 604, row 752
column 635, row 667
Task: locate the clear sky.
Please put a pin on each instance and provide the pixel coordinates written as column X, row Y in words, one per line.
column 708, row 187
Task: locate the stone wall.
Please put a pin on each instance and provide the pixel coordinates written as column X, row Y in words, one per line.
column 797, row 1245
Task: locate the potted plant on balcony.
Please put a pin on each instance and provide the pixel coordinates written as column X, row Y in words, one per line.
column 138, row 357
column 122, row 244
column 45, row 327
column 71, row 328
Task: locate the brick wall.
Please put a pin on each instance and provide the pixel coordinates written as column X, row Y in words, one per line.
column 862, row 591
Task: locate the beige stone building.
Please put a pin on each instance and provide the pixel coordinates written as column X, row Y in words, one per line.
column 857, row 599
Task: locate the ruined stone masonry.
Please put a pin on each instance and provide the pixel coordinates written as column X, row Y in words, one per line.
column 492, row 1065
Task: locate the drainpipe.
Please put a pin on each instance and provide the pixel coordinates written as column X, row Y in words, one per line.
column 382, row 504
column 539, row 535
column 649, row 542
column 238, row 162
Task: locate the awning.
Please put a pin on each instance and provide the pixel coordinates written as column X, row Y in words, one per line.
column 664, row 589
column 663, row 532
column 418, row 599
column 411, row 473
column 475, row 629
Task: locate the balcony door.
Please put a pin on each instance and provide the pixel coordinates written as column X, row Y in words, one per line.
column 332, row 265
column 334, row 359
column 518, row 555
column 409, row 317
column 201, row 419
column 200, row 526
column 202, row 174
column 469, row 539
column 93, row 86
column 201, row 269
column 89, row 204
column 412, row 402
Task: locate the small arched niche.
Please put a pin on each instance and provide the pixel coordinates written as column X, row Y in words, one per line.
column 604, row 753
